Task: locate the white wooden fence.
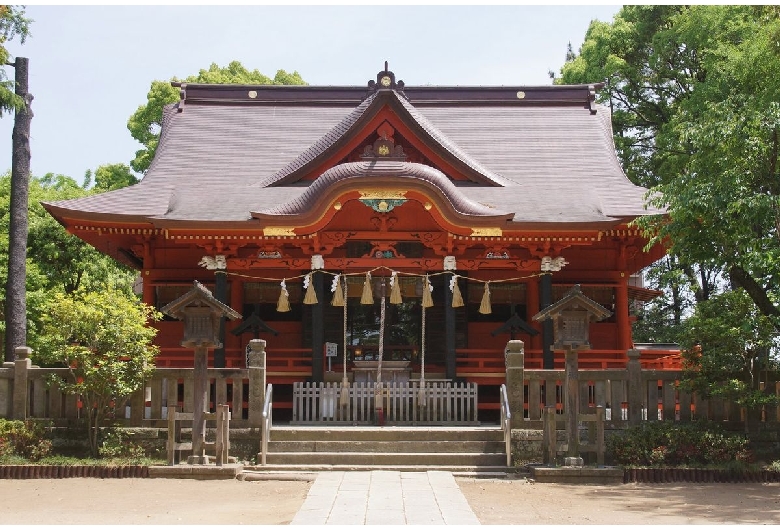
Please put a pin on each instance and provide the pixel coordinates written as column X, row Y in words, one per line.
column 441, row 403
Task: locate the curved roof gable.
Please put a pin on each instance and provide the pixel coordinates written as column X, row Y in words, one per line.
column 355, row 173
column 352, row 125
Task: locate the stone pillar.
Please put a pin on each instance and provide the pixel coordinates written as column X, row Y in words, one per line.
column 22, row 365
column 514, row 358
column 256, row 367
column 200, row 400
column 572, row 406
column 635, row 391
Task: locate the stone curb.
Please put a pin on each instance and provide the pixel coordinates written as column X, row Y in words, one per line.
column 660, row 475
column 32, row 471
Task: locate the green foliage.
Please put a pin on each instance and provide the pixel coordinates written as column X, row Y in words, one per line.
column 696, row 114
column 110, row 177
column 12, row 24
column 726, row 346
column 57, row 262
column 146, row 121
column 677, row 444
column 23, row 439
column 103, row 339
column 115, row 443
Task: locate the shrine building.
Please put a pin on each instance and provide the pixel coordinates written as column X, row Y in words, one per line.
column 440, row 218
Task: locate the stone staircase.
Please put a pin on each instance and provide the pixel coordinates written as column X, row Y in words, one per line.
column 458, row 449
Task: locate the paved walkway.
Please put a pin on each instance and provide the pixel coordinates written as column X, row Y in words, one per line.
column 385, row 498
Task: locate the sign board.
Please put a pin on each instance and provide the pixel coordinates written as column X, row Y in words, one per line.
column 331, row 349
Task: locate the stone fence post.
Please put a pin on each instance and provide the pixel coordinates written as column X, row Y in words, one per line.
column 635, row 398
column 22, row 365
column 255, row 363
column 514, row 358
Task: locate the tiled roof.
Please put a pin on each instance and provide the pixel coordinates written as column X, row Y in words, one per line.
column 546, row 161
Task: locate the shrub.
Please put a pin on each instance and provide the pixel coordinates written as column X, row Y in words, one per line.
column 116, row 444
column 672, row 444
column 25, row 439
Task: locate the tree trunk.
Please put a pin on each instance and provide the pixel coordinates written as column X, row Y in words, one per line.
column 15, row 290
column 94, row 428
column 741, row 278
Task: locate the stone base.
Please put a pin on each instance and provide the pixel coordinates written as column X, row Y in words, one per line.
column 201, row 472
column 199, row 460
column 578, row 475
column 573, row 461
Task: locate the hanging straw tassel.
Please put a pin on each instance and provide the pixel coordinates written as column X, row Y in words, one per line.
column 311, row 295
column 338, row 293
column 457, row 298
column 422, row 397
column 395, row 289
column 427, row 299
column 484, row 307
column 368, row 295
column 283, row 305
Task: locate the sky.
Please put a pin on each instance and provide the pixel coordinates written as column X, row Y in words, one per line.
column 90, row 67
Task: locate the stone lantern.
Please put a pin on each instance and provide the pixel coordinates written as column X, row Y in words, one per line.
column 201, row 313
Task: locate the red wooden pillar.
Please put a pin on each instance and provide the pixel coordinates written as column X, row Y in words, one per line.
column 624, row 341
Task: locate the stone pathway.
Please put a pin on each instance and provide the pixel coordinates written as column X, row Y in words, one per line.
column 385, row 498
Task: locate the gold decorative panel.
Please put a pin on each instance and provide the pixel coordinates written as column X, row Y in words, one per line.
column 382, row 194
column 487, row 232
column 278, row 231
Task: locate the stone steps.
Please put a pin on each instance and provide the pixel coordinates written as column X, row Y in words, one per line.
column 459, row 449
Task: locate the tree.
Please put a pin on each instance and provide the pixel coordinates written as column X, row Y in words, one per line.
column 104, row 342
column 146, row 122
column 724, row 204
column 13, row 24
column 15, row 95
column 694, row 106
column 109, row 177
column 57, row 262
column 726, row 346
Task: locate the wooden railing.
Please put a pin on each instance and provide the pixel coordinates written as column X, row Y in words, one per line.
column 438, row 403
column 506, row 425
column 168, row 387
column 288, row 362
column 265, row 435
column 628, row 395
column 657, row 396
column 473, row 362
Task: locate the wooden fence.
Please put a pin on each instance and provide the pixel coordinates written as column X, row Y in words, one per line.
column 26, row 392
column 441, row 403
column 629, row 395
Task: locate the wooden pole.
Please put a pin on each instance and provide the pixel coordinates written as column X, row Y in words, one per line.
column 572, row 403
column 200, row 389
column 15, row 290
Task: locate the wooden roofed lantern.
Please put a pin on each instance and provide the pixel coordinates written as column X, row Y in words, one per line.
column 201, row 313
column 571, row 316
